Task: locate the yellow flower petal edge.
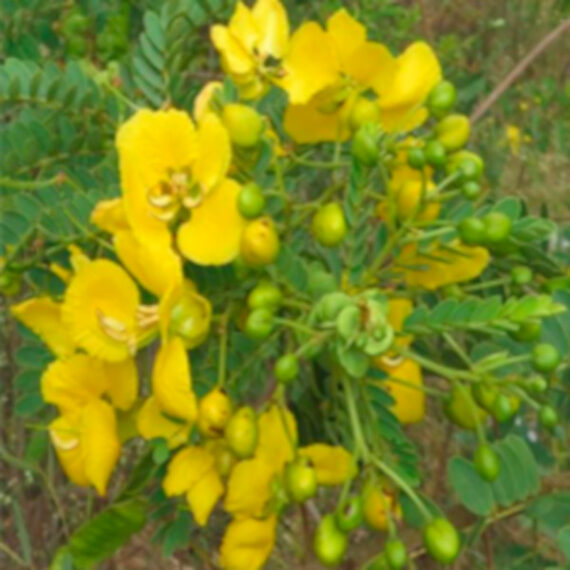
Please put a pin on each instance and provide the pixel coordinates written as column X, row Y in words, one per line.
column 64, row 433
column 100, row 309
column 122, row 383
column 110, row 216
column 247, row 543
column 172, row 381
column 43, row 316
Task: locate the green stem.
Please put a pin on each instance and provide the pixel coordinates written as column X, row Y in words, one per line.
column 360, row 443
column 505, row 362
column 223, row 348
column 444, row 371
column 294, row 325
column 458, row 349
column 318, row 164
column 487, row 284
column 391, row 474
column 29, row 184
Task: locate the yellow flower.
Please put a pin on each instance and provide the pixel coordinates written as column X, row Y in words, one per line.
column 246, row 45
column 277, row 436
column 399, row 309
column 43, row 316
column 72, row 383
column 172, row 381
column 151, row 423
column 443, row 264
column 87, row 444
column 100, row 310
column 323, row 87
column 248, row 543
column 514, row 138
column 169, row 164
column 192, row 472
column 409, row 398
column 333, row 464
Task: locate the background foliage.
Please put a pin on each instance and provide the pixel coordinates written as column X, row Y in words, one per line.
column 68, row 74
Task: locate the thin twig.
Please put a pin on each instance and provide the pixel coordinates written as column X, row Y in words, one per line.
column 540, row 47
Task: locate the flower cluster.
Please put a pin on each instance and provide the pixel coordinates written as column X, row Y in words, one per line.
column 211, row 188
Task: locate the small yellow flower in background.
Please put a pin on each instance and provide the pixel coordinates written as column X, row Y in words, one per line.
column 252, row 38
column 43, row 316
column 514, row 138
column 87, row 444
column 167, row 166
column 248, row 543
column 443, row 265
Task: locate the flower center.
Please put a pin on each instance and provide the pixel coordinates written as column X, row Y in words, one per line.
column 176, row 189
column 117, row 331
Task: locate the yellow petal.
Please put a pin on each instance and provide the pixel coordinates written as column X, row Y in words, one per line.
column 271, row 19
column 249, row 488
column 110, row 216
column 100, row 443
column 409, row 401
column 417, row 72
column 99, row 310
column 333, row 464
column 398, row 311
column 122, row 383
column 213, row 233
column 65, row 436
column 211, row 166
column 151, row 423
column 172, row 381
column 185, row 313
column 77, row 258
column 450, row 267
column 347, row 34
column 248, row 543
column 70, row 384
column 152, row 145
column 42, row 315
column 185, row 469
column 308, row 124
column 204, row 495
column 244, row 28
column 235, row 57
column 371, row 64
column 203, row 101
column 154, row 265
column 307, row 74
column 402, row 119
column 277, row 436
